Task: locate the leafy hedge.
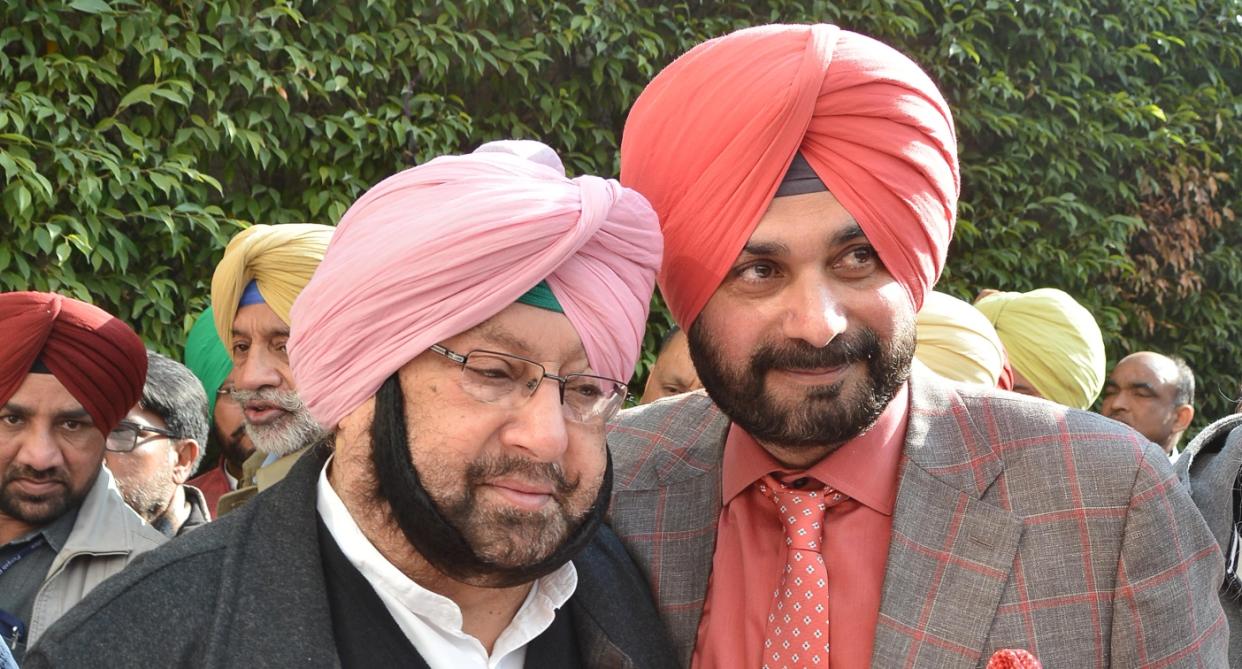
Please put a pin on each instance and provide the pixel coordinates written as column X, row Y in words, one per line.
column 1098, row 139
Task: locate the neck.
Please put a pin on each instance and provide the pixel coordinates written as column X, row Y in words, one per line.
column 12, row 528
column 485, row 611
column 175, row 514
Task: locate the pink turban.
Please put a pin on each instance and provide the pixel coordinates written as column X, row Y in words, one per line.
column 95, row 355
column 711, row 137
column 437, row 249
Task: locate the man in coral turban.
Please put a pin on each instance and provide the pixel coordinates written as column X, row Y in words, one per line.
column 820, row 498
column 263, row 270
column 69, row 372
column 1053, row 343
column 466, row 338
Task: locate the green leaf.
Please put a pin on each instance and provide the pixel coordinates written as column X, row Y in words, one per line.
column 90, row 6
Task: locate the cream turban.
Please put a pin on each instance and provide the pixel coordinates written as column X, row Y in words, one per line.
column 958, row 342
column 1052, row 340
column 279, row 258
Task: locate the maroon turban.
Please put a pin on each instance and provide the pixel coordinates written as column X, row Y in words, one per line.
column 92, row 353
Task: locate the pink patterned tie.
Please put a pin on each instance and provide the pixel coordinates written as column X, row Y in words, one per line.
column 797, row 630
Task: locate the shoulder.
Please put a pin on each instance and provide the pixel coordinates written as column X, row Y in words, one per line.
column 658, row 443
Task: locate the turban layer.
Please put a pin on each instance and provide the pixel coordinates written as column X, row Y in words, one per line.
column 1052, row 340
column 437, row 249
column 96, row 356
column 279, row 258
column 957, row 342
column 206, row 356
column 709, row 140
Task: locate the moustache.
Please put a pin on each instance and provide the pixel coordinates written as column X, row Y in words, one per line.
column 841, row 351
column 54, row 475
column 285, row 400
column 528, row 470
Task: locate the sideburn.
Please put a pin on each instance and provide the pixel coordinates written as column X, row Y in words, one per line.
column 399, row 487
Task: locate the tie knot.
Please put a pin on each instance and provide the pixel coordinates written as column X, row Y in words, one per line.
column 801, row 504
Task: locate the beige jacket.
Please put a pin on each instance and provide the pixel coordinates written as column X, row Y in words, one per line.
column 106, row 536
column 256, row 478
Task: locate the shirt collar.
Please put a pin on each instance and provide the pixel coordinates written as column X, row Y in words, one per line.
column 864, row 468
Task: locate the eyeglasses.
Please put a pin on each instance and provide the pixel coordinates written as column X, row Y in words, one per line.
column 124, row 437
column 508, row 381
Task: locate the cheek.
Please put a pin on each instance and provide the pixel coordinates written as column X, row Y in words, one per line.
column 587, row 456
column 887, row 309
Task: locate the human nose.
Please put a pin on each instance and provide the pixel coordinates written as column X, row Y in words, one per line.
column 813, row 314
column 538, row 425
column 39, row 450
column 258, row 370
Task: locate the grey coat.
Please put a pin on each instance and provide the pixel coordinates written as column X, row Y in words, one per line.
column 1210, row 466
column 248, row 591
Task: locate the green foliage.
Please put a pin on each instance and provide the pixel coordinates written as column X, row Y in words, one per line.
column 1097, row 138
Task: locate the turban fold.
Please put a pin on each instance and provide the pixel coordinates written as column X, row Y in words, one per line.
column 437, row 249
column 1051, row 340
column 709, row 140
column 206, row 356
column 279, row 258
column 957, row 342
column 96, row 356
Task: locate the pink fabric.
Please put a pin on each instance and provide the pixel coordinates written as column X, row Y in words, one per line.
column 711, row 137
column 437, row 249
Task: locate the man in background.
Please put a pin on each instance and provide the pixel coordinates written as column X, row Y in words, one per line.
column 153, row 450
column 1154, row 394
column 673, row 371
column 252, row 290
column 228, row 445
column 69, row 372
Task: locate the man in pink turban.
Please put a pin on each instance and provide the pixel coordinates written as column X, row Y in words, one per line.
column 466, row 338
column 820, row 499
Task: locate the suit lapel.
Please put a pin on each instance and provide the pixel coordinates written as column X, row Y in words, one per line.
column 951, row 553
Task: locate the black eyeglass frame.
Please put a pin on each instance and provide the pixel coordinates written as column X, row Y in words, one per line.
column 138, row 430
column 623, row 390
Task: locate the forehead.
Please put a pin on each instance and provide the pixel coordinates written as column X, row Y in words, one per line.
column 44, row 393
column 258, row 320
column 538, row 334
column 145, row 417
column 1152, row 370
column 811, row 217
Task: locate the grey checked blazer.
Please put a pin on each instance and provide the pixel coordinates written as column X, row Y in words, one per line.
column 1018, row 524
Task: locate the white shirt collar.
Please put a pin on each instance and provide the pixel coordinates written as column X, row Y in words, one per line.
column 431, row 621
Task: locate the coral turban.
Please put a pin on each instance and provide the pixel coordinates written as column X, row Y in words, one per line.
column 206, row 356
column 437, row 249
column 279, row 258
column 711, row 137
column 957, row 342
column 1051, row 340
column 97, row 357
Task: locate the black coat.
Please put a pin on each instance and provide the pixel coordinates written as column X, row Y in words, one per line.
column 248, row 590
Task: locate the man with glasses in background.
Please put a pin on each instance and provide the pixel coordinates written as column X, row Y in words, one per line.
column 68, row 373
column 153, row 451
column 465, row 340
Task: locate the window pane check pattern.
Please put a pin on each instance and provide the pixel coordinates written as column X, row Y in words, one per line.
column 797, row 628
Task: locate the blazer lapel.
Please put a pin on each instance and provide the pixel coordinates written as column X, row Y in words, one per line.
column 951, row 553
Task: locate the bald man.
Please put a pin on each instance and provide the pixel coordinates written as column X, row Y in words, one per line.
column 821, row 499
column 1154, row 394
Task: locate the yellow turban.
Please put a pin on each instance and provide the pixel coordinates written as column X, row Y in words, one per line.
column 1051, row 340
column 957, row 342
column 279, row 258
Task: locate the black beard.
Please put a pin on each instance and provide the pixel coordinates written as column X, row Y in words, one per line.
column 824, row 417
column 428, row 529
column 43, row 509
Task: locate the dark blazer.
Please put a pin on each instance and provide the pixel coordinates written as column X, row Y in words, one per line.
column 1210, row 466
column 1018, row 524
column 248, row 591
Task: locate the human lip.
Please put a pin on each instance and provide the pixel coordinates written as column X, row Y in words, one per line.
column 523, row 494
column 812, row 375
column 37, row 487
column 262, row 413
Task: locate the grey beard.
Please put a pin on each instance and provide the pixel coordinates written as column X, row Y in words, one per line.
column 297, row 429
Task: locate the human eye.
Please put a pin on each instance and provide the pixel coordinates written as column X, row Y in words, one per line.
column 10, row 420
column 491, row 369
column 858, row 260
column 586, row 388
column 240, row 347
column 756, row 271
column 74, row 425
